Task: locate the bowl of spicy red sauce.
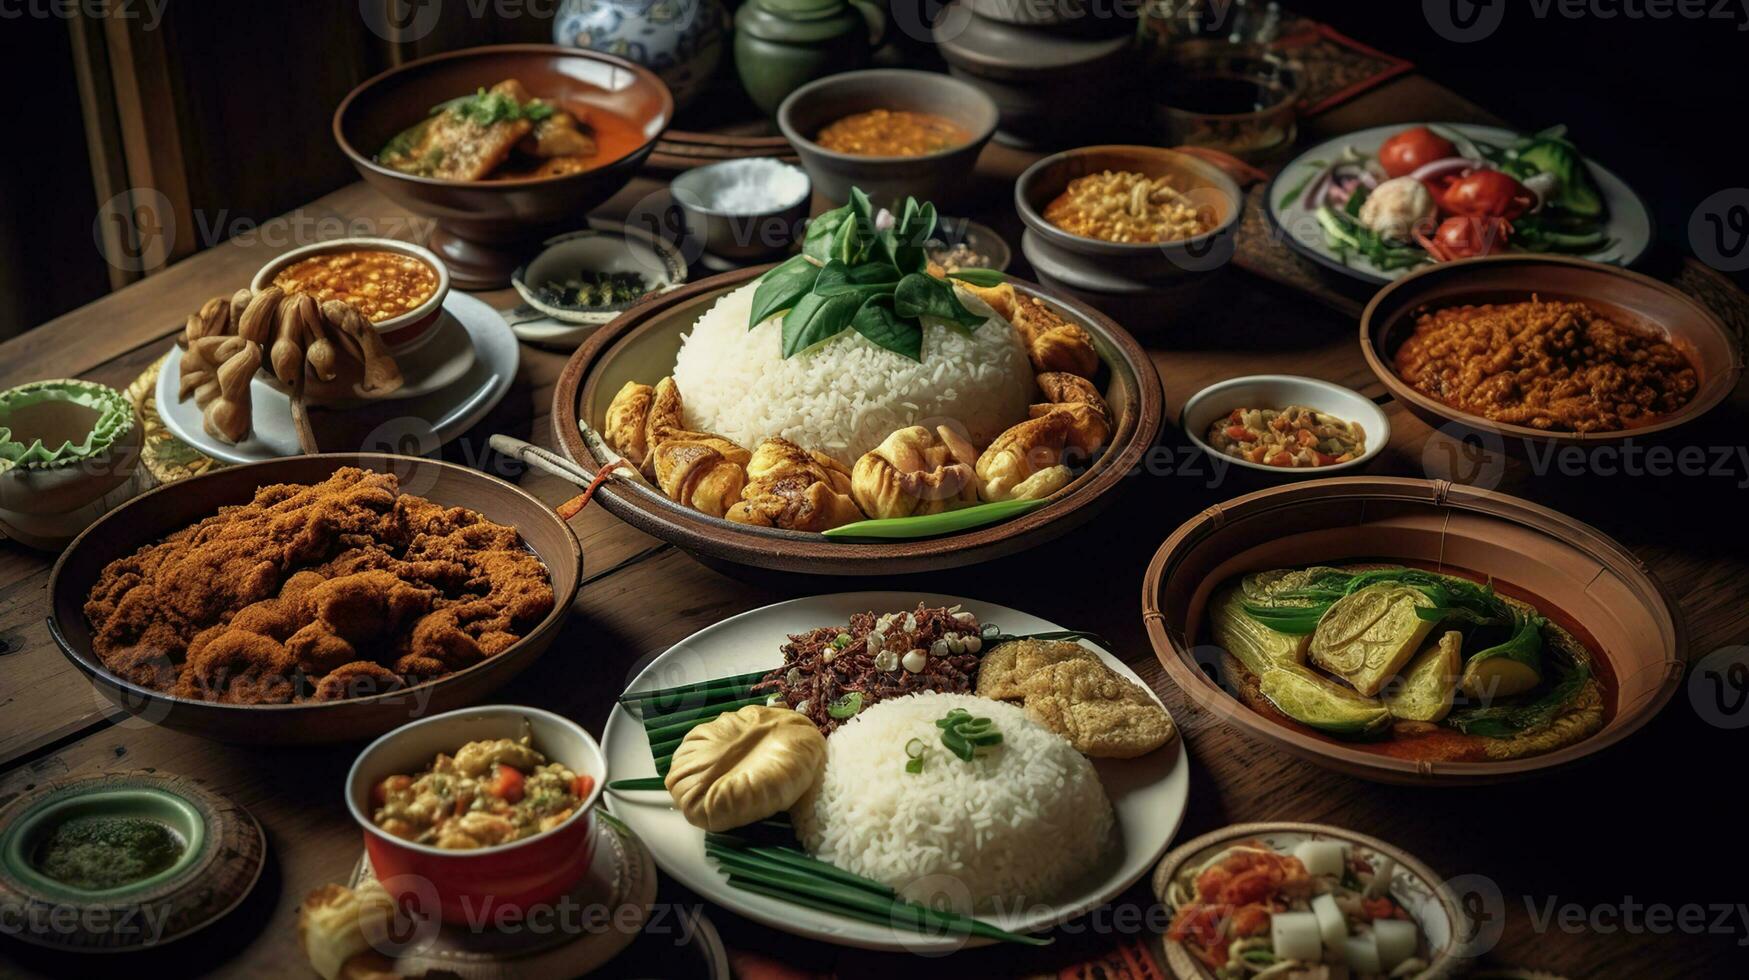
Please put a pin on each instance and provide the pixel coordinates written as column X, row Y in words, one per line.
column 480, row 812
column 398, row 286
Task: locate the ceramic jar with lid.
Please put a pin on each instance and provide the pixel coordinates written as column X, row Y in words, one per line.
column 781, row 45
column 680, row 40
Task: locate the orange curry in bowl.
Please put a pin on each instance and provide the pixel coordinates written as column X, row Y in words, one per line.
column 381, row 284
column 1555, row 365
column 506, row 133
column 892, row 133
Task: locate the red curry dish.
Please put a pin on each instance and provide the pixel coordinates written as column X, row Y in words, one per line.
column 1554, row 365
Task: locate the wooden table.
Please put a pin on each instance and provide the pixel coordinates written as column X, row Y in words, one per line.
column 1645, row 824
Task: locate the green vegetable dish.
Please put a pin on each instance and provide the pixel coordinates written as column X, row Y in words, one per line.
column 100, row 853
column 1410, row 663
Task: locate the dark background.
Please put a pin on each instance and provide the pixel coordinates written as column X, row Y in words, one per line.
column 1657, row 100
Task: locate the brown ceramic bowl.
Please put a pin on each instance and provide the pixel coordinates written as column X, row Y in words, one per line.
column 641, row 346
column 941, row 177
column 170, row 508
column 1628, row 298
column 486, row 228
column 1635, row 631
column 1439, row 915
column 1092, row 262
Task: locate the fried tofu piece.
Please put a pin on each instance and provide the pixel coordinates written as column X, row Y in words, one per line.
column 1003, row 672
column 1103, row 715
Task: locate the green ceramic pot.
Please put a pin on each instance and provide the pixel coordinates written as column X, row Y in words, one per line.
column 22, row 839
column 781, row 45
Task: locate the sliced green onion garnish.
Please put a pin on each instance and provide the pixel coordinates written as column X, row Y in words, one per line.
column 913, row 765
column 914, row 748
column 846, row 706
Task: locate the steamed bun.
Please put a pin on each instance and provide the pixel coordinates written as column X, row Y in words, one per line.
column 743, row 767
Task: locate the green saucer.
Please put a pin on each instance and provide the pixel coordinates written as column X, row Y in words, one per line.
column 218, row 852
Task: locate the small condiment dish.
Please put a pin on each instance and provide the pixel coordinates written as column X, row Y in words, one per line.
column 744, row 210
column 1280, row 391
column 402, row 333
column 474, row 885
column 942, row 177
column 603, row 247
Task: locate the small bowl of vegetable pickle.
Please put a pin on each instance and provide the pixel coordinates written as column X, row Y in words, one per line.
column 480, row 811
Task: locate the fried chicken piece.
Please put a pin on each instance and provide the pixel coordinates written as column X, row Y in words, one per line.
column 700, row 474
column 366, row 605
column 795, row 489
column 915, row 471
column 1090, row 419
column 278, row 618
column 317, row 649
column 358, row 679
column 238, row 667
column 1026, row 462
column 627, row 416
column 314, row 580
column 1053, row 343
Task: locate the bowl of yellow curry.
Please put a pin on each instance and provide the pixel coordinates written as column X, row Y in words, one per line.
column 893, row 133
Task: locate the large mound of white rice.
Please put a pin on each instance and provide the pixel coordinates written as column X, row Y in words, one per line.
column 844, row 396
column 1004, row 832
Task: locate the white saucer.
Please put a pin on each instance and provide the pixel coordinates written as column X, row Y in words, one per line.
column 430, row 417
column 595, row 922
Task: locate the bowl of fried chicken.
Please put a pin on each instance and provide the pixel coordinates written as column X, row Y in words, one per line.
column 314, row 599
column 504, row 146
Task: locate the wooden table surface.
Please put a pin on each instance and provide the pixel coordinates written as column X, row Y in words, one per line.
column 1643, row 825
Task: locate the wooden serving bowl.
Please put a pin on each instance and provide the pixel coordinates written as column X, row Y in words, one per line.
column 1628, row 298
column 641, row 346
column 1446, row 928
column 150, row 517
column 1622, row 613
column 486, row 228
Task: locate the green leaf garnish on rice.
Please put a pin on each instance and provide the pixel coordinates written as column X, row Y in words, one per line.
column 866, row 271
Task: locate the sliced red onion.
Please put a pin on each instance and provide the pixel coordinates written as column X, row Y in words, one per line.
column 1440, row 168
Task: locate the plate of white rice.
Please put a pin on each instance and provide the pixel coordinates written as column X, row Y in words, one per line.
column 1026, row 840
column 843, row 396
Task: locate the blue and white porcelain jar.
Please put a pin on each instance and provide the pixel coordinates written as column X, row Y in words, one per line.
column 680, row 40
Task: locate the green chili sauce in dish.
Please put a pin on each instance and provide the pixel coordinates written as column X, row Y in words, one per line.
column 100, row 853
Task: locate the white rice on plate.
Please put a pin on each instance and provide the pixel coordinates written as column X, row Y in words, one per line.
column 1002, row 833
column 844, row 396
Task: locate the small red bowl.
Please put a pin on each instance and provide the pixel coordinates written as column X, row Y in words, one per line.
column 469, row 887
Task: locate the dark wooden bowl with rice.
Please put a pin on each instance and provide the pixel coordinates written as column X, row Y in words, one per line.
column 643, row 344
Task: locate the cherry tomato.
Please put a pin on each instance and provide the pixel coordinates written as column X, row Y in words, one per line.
column 1463, row 237
column 1486, row 194
column 508, row 785
column 1410, row 149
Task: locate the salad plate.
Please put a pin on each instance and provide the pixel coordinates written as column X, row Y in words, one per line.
column 1148, row 793
column 1537, row 193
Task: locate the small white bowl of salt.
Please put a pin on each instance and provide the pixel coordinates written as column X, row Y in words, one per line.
column 745, row 210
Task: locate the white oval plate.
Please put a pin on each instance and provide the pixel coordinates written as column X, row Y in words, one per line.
column 1148, row 794
column 1280, row 391
column 1629, row 228
column 448, row 410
